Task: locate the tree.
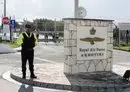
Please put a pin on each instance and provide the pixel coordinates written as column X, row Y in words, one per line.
column 48, row 25
column 17, row 25
column 116, row 35
column 127, row 37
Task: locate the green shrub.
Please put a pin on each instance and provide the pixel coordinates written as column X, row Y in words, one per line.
column 123, row 45
column 0, row 39
column 13, row 44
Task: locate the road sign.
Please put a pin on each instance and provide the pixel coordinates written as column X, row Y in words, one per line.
column 12, row 23
column 5, row 20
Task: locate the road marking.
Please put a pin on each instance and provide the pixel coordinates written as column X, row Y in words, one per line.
column 7, row 77
column 45, row 60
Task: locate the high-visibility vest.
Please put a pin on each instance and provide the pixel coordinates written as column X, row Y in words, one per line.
column 24, row 37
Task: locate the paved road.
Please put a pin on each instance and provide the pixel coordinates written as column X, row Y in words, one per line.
column 42, row 52
column 121, row 57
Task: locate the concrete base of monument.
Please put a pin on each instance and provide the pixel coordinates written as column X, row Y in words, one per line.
column 52, row 76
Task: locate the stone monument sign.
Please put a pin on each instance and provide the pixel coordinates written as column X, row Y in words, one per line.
column 88, row 45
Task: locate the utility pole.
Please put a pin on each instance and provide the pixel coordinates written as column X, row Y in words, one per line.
column 4, row 7
column 76, row 8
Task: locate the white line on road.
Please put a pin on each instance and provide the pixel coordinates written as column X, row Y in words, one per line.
column 7, row 77
column 45, row 60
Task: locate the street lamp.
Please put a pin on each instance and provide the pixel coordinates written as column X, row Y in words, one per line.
column 79, row 12
column 76, row 8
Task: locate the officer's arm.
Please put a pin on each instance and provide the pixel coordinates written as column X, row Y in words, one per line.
column 20, row 39
column 36, row 40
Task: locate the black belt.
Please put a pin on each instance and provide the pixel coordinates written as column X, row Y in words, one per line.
column 28, row 49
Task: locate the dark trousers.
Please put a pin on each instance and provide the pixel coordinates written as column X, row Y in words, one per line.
column 27, row 55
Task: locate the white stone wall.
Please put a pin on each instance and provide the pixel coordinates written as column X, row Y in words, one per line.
column 71, row 64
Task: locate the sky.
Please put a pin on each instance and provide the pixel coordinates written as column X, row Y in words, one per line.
column 117, row 10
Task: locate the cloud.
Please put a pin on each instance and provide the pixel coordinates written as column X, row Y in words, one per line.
column 40, row 8
column 110, row 9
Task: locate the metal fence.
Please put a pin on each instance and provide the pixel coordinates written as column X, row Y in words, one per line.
column 56, row 35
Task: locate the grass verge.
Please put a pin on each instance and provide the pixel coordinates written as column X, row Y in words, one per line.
column 124, row 48
column 13, row 45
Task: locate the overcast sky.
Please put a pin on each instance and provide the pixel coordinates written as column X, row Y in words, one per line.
column 118, row 10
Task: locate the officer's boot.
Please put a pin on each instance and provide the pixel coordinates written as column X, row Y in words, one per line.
column 32, row 71
column 33, row 76
column 24, row 75
column 24, row 70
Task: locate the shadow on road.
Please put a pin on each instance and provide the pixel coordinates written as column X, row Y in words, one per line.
column 24, row 89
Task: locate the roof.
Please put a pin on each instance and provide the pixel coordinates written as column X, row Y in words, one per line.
column 124, row 26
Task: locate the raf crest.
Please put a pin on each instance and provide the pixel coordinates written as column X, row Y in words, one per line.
column 94, row 39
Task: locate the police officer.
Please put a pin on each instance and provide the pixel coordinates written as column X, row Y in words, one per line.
column 28, row 41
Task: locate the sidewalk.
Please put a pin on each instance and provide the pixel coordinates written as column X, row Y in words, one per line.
column 52, row 76
column 4, row 49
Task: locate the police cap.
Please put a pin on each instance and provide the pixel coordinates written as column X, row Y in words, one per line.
column 28, row 26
